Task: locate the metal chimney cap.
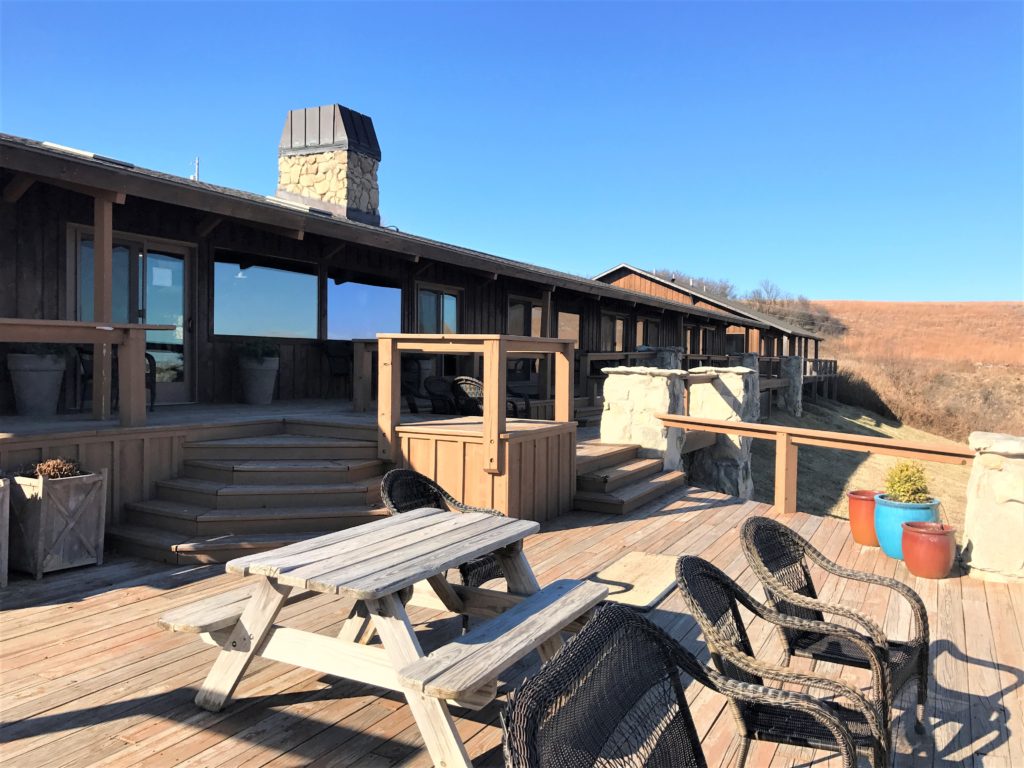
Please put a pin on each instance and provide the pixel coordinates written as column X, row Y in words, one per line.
column 318, row 129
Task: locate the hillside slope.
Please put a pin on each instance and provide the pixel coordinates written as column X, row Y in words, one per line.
column 950, row 368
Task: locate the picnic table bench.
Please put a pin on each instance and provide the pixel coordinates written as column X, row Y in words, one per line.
column 372, row 564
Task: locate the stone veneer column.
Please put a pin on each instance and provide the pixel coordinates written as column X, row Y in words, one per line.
column 632, row 399
column 669, row 358
column 791, row 397
column 994, row 522
column 748, row 360
column 733, row 395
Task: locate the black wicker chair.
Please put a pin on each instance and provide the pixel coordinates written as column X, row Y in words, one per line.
column 714, row 600
column 439, row 391
column 403, row 490
column 780, row 558
column 614, row 696
column 469, row 398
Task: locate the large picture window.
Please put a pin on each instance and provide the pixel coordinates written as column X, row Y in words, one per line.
column 253, row 300
column 437, row 311
column 613, row 333
column 360, row 311
column 569, row 327
column 524, row 318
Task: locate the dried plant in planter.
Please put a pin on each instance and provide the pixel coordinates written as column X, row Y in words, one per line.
column 53, row 469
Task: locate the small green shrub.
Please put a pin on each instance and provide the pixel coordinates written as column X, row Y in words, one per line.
column 53, row 469
column 258, row 349
column 906, row 483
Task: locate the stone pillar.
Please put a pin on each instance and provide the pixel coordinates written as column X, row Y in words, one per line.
column 733, row 395
column 994, row 521
column 791, row 397
column 632, row 399
column 669, row 358
column 748, row 360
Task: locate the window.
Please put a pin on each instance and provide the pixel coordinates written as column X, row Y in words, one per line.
column 263, row 301
column 518, row 312
column 359, row 311
column 437, row 311
column 569, row 327
column 648, row 333
column 613, row 330
column 122, row 282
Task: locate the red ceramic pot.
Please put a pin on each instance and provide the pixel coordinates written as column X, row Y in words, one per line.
column 862, row 517
column 929, row 549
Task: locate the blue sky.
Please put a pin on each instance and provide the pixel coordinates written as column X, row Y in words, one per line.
column 861, row 150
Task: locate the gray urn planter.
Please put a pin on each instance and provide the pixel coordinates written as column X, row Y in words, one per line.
column 259, row 375
column 36, row 380
column 57, row 524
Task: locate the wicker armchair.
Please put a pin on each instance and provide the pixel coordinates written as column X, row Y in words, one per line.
column 403, row 490
column 714, row 600
column 439, row 391
column 780, row 558
column 469, row 398
column 614, row 695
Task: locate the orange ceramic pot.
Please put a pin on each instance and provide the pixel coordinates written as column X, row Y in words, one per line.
column 862, row 517
column 929, row 549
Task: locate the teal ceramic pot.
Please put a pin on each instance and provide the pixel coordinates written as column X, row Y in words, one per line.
column 890, row 517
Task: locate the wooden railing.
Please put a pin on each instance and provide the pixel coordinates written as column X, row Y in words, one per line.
column 788, row 439
column 820, row 367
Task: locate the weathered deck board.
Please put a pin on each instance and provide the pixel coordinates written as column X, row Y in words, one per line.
column 90, row 680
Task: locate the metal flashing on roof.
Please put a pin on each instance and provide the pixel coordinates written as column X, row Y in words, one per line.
column 318, row 129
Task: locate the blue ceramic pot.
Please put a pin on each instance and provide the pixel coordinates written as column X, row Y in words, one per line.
column 890, row 517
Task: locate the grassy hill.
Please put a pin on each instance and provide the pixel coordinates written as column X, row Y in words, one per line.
column 946, row 367
column 826, row 475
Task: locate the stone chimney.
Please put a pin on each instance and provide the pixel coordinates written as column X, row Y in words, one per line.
column 328, row 158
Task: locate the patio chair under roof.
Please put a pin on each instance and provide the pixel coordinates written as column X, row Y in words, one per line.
column 779, row 556
column 714, row 600
column 614, row 695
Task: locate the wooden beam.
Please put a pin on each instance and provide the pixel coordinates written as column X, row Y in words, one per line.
column 207, row 225
column 321, row 303
column 102, row 303
column 17, row 187
column 389, row 386
column 785, row 473
column 494, row 404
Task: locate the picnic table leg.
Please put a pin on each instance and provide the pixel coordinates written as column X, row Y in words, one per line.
column 357, row 628
column 242, row 645
column 520, row 580
column 431, row 715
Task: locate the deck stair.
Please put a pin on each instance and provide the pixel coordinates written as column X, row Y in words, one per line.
column 240, row 495
column 614, row 479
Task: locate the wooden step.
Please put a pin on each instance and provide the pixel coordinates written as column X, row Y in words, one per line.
column 624, row 500
column 281, row 447
column 282, row 471
column 613, row 478
column 208, row 493
column 193, row 520
column 463, row 666
column 355, row 431
column 592, row 455
column 180, row 549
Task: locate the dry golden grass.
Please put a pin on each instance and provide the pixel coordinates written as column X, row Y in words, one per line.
column 949, row 368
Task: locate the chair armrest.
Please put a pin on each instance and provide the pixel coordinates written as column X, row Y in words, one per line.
column 452, row 502
column 800, row 702
column 877, row 720
column 916, row 603
column 881, row 674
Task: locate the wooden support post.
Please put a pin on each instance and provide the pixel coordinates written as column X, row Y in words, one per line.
column 131, row 375
column 547, row 329
column 389, row 386
column 563, row 383
column 102, row 302
column 785, row 473
column 321, row 303
column 494, row 405
column 362, row 375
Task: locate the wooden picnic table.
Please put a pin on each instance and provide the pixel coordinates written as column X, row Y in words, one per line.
column 372, row 564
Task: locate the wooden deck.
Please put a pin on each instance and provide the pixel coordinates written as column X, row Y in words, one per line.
column 88, row 679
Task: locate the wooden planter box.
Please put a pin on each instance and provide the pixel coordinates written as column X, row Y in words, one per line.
column 57, row 524
column 5, row 527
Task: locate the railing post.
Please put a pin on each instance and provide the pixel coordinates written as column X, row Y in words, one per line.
column 362, row 375
column 785, row 473
column 389, row 384
column 494, row 404
column 563, row 383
